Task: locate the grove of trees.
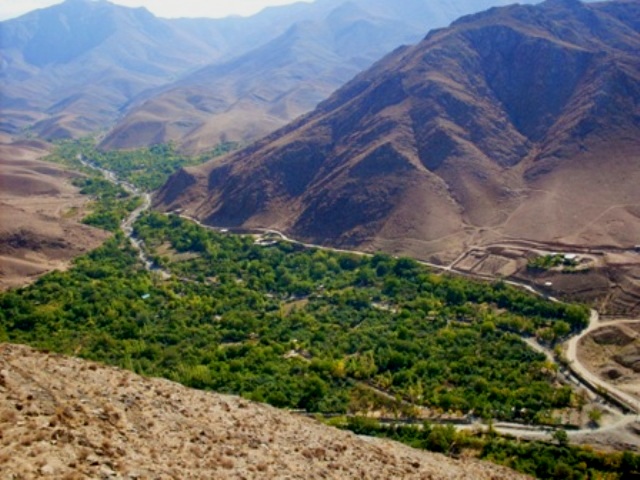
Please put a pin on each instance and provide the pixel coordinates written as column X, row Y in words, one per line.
column 295, row 327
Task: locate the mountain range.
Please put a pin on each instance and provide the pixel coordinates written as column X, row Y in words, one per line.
column 87, row 66
column 519, row 122
column 249, row 96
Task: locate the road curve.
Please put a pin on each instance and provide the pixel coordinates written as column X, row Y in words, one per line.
column 629, row 401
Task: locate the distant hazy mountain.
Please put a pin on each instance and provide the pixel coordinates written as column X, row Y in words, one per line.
column 77, row 67
column 68, row 69
column 71, row 68
column 328, row 43
column 519, row 122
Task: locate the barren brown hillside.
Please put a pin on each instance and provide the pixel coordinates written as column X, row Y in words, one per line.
column 40, row 214
column 68, row 418
column 522, row 122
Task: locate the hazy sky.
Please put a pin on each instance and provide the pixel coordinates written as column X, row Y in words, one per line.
column 161, row 8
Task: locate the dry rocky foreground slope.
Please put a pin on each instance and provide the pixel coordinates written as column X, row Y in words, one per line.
column 40, row 214
column 67, row 418
column 521, row 122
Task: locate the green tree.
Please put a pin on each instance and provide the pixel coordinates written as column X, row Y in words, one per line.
column 561, row 437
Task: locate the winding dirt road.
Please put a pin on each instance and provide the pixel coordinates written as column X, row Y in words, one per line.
column 632, row 403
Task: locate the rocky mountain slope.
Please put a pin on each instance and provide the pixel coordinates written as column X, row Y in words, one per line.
column 251, row 95
column 519, row 122
column 68, row 418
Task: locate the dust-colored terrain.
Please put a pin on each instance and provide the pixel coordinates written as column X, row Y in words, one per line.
column 608, row 279
column 66, row 418
column 40, row 213
column 613, row 353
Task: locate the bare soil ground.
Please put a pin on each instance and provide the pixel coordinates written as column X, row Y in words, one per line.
column 613, row 353
column 67, row 418
column 40, row 213
column 606, row 278
column 613, row 440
